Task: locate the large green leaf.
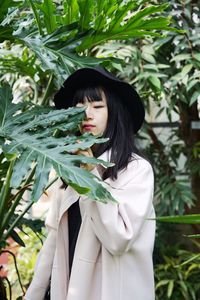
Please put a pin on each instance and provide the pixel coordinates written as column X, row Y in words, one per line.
column 57, row 55
column 86, row 8
column 120, row 14
column 7, row 108
column 13, row 63
column 63, row 49
column 71, row 11
column 15, row 236
column 49, row 9
column 30, row 136
column 37, row 16
column 140, row 17
column 123, row 25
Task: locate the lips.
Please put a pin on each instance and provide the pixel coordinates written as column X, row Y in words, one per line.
column 88, row 127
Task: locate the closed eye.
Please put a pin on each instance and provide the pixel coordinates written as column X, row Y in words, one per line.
column 98, row 106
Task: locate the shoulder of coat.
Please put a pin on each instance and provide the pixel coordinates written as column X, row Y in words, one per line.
column 138, row 161
column 138, row 165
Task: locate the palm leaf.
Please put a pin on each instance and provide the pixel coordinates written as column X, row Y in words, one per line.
column 86, row 8
column 49, row 11
column 185, row 219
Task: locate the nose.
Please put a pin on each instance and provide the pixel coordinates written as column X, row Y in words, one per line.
column 88, row 112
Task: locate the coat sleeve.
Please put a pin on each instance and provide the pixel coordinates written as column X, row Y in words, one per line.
column 117, row 226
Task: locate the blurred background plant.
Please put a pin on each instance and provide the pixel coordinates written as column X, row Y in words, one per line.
column 178, row 276
column 177, row 271
column 26, row 259
column 42, row 42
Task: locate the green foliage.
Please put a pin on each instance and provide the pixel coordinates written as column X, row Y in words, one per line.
column 144, row 69
column 178, row 276
column 180, row 89
column 45, row 41
column 61, row 35
column 119, row 25
column 186, row 219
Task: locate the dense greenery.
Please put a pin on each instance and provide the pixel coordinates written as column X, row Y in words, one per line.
column 57, row 36
column 41, row 43
column 177, row 277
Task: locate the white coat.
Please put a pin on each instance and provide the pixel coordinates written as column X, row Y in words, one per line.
column 113, row 254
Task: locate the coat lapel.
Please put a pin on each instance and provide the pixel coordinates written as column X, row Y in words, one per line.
column 69, row 197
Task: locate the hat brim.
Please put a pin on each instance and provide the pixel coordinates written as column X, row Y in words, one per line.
column 92, row 76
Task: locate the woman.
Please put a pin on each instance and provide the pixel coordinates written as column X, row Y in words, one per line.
column 97, row 251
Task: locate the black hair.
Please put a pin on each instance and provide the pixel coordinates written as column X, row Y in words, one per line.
column 119, row 129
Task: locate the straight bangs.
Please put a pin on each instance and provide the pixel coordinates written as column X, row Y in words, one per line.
column 89, row 93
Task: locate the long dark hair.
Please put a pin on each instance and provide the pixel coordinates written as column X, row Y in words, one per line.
column 119, row 129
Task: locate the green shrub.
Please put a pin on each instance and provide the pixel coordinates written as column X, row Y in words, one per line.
column 178, row 276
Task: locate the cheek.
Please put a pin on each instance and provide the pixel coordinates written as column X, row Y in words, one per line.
column 104, row 120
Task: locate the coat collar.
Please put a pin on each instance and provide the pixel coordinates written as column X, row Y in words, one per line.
column 69, row 196
column 105, row 156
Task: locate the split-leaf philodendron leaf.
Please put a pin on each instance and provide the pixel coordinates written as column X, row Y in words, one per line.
column 32, row 138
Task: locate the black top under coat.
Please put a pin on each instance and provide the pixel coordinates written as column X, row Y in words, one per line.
column 74, row 223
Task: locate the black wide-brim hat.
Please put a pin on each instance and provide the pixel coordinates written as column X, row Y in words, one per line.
column 99, row 76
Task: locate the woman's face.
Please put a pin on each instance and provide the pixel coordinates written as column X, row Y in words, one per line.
column 96, row 116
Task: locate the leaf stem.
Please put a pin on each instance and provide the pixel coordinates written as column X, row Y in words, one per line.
column 17, row 199
column 17, row 220
column 9, row 285
column 46, row 94
column 16, row 268
column 5, row 190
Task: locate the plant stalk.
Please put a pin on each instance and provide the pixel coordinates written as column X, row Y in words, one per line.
column 46, row 94
column 17, row 199
column 16, row 268
column 7, row 234
column 5, row 190
column 26, row 209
